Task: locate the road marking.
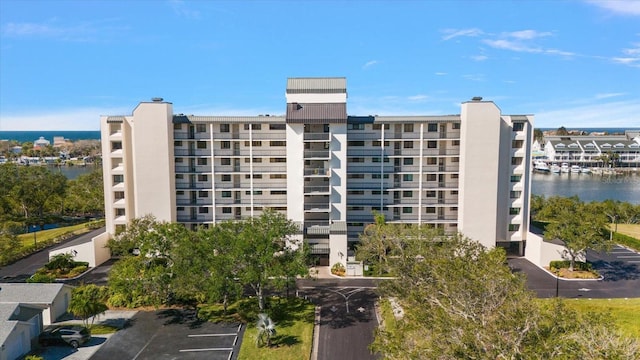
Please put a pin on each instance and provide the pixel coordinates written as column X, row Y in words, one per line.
column 584, row 289
column 206, row 349
column 630, row 257
column 361, row 309
column 203, row 335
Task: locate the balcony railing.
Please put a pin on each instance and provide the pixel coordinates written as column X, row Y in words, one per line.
column 323, row 154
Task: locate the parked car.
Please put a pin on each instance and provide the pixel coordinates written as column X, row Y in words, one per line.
column 74, row 335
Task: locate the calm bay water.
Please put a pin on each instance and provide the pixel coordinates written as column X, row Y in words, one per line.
column 588, row 187
column 72, row 172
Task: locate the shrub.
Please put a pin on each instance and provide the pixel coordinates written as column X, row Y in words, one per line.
column 627, row 241
column 40, row 277
column 33, row 357
column 338, row 269
column 564, row 264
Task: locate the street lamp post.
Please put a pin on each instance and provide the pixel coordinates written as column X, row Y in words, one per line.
column 557, row 281
column 34, row 236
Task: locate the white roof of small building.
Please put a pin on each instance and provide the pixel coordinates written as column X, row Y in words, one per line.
column 27, row 293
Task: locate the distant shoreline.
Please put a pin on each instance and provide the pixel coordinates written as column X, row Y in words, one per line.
column 32, row 135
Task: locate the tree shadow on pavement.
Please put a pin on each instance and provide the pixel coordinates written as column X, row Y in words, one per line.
column 181, row 316
column 616, row 270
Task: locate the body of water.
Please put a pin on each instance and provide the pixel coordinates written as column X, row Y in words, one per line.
column 72, row 172
column 588, row 187
column 24, row 136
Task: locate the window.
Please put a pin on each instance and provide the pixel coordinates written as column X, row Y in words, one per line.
column 202, row 177
column 514, row 211
column 179, row 160
column 201, row 144
column 278, row 160
column 355, row 208
column 355, row 176
column 517, row 144
column 116, row 145
column 407, row 210
column 432, row 177
column 224, row 128
column 431, row 210
column 118, row 195
column 432, row 127
column 179, row 176
column 118, row 179
column 201, row 128
column 408, row 161
column 355, row 143
column 408, row 145
column 518, row 126
column 177, row 143
column 432, row 161
column 255, row 192
column 454, row 192
column 177, row 126
column 355, row 160
column 516, row 178
column 278, row 176
column 408, row 127
column 277, row 126
column 515, row 194
column 407, row 194
column 226, row 210
column 226, row 194
column 253, row 126
column 225, row 145
column 255, row 176
column 355, row 127
column 180, row 208
column 455, row 143
column 203, row 210
column 203, row 194
column 407, row 177
column 225, row 161
column 253, row 143
column 375, row 159
column 278, row 192
column 431, row 144
column 277, row 143
column 456, row 126
column 226, row 177
column 514, row 227
column 355, row 192
column 202, row 161
column 454, row 176
column 431, row 194
column 516, row 160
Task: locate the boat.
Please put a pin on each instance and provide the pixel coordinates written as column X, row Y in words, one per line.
column 555, row 169
column 564, row 168
column 585, row 170
column 576, row 169
column 541, row 166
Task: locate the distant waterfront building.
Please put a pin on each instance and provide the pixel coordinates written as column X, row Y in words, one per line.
column 326, row 170
column 41, row 143
column 588, row 150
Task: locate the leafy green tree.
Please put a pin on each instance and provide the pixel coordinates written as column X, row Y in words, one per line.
column 85, row 195
column 580, row 226
column 461, row 301
column 10, row 247
column 87, row 302
column 562, row 131
column 37, row 186
column 264, row 244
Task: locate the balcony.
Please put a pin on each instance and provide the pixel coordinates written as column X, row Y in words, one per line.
column 319, row 171
column 116, row 153
column 196, row 185
column 197, row 202
column 193, row 169
column 115, row 135
column 317, row 154
column 192, row 152
column 184, row 135
column 317, row 207
column 317, row 190
column 317, row 136
column 195, row 218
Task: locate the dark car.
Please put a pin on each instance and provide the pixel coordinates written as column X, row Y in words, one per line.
column 74, row 335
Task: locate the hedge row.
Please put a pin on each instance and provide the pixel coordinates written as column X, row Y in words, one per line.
column 564, row 264
column 627, row 241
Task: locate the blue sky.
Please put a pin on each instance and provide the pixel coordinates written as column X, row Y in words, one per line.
column 571, row 63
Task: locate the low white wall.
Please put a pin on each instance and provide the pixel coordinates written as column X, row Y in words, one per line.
column 541, row 253
column 94, row 252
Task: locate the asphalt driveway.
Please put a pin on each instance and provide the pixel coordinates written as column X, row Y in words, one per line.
column 172, row 334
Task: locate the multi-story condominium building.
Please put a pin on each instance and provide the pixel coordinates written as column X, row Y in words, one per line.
column 588, row 150
column 324, row 169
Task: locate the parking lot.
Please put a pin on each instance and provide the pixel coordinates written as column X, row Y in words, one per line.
column 172, row 334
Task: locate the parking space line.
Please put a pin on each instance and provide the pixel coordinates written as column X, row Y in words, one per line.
column 629, row 257
column 206, row 349
column 206, row 335
column 234, row 341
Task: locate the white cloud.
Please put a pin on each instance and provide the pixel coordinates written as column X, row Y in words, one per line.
column 368, row 64
column 440, row 73
column 418, row 97
column 527, row 34
column 180, row 8
column 608, row 95
column 453, row 33
column 474, row 77
column 512, row 45
column 479, row 57
column 80, row 32
column 610, row 114
column 65, row 119
column 622, row 7
column 631, row 58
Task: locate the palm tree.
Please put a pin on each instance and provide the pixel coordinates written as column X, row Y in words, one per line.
column 266, row 329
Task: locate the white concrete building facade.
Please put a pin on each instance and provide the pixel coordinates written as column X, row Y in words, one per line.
column 324, row 169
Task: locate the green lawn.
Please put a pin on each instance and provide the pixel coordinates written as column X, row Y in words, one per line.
column 632, row 230
column 625, row 312
column 46, row 235
column 294, row 320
